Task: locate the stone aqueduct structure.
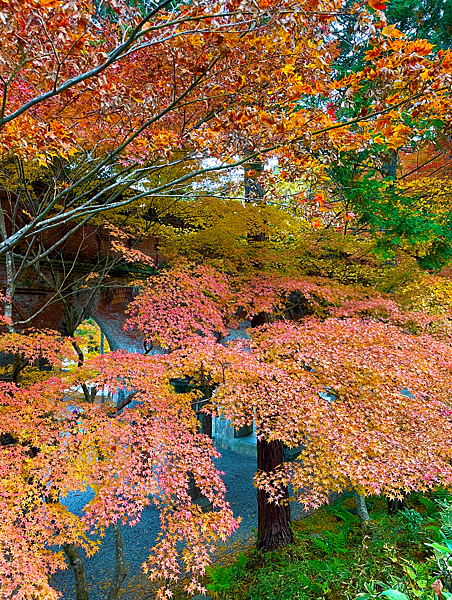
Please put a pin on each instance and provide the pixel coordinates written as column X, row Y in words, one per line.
column 34, row 299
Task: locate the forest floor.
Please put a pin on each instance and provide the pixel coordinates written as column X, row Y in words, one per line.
column 398, row 556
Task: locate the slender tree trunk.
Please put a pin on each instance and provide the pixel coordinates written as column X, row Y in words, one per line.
column 273, row 519
column 394, row 505
column 207, row 393
column 79, row 352
column 193, row 489
column 10, row 288
column 10, row 268
column 75, row 561
column 89, row 394
column 207, row 425
column 120, row 570
column 18, row 367
column 361, row 509
column 390, row 166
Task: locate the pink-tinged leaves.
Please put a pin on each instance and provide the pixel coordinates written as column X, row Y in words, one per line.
column 55, row 443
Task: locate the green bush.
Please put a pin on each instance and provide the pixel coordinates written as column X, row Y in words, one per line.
column 223, row 578
column 287, row 583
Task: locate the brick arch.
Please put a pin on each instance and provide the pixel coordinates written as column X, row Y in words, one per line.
column 111, row 320
column 75, row 257
column 107, row 310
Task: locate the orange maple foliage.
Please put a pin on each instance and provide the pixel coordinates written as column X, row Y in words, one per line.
column 216, row 79
column 206, row 78
column 367, row 399
column 54, row 443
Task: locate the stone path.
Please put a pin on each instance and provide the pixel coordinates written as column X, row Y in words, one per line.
column 239, row 471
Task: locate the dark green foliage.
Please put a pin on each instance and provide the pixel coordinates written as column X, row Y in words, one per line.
column 424, row 19
column 223, row 578
column 289, row 582
column 395, row 219
column 363, row 180
column 331, row 543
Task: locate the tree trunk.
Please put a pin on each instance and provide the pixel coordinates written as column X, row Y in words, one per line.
column 81, row 591
column 10, row 271
column 120, row 570
column 193, row 489
column 273, row 519
column 10, row 289
column 90, row 394
column 10, row 275
column 361, row 509
column 390, row 165
column 394, row 505
column 273, row 529
column 18, row 367
column 19, row 364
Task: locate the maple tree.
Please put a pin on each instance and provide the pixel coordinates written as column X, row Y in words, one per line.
column 108, row 109
column 75, row 70
column 94, row 158
column 159, row 118
column 74, row 74
column 253, row 382
column 129, row 457
column 321, row 382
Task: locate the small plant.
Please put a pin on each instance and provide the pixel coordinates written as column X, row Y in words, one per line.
column 419, row 578
column 223, row 578
column 331, row 543
column 348, row 517
column 372, row 590
column 445, row 504
column 443, row 548
column 430, row 505
column 288, row 582
column 413, row 519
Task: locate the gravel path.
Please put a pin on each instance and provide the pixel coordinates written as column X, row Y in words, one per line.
column 239, row 471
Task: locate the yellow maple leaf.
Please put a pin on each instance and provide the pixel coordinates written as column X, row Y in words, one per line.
column 391, row 31
column 50, row 3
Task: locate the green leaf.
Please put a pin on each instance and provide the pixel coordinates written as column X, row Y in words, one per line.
column 410, row 572
column 394, row 595
column 440, row 547
column 447, row 542
column 422, row 583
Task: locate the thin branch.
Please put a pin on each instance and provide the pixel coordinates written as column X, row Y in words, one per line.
column 113, row 57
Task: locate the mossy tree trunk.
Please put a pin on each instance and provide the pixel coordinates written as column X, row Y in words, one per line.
column 361, row 509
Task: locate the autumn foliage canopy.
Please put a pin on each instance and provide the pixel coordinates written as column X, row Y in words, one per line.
column 106, row 100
